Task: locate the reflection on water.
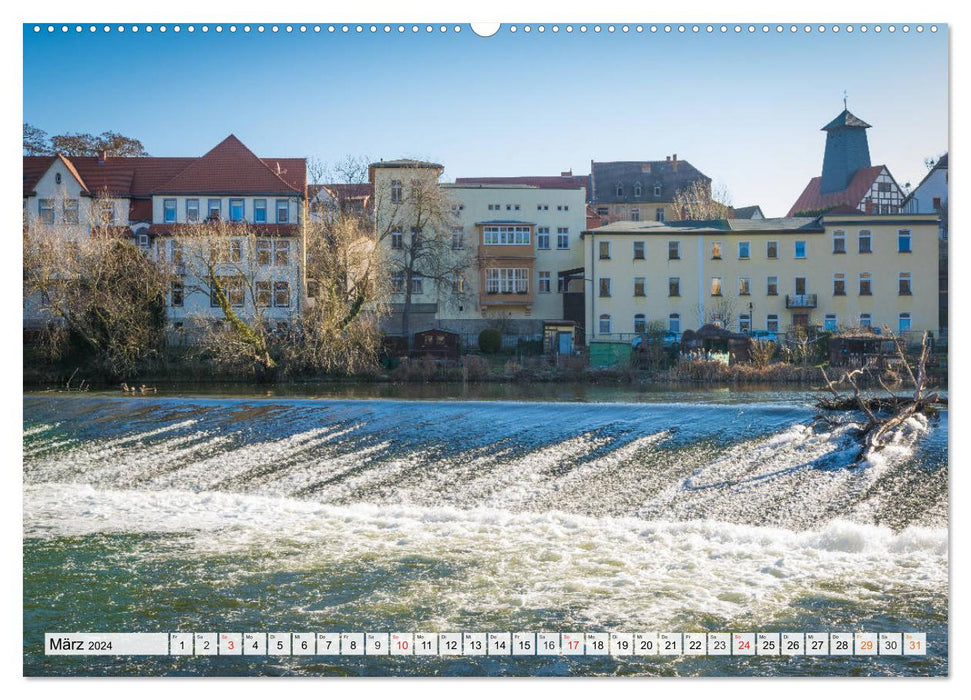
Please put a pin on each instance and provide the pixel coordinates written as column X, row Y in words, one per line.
column 162, row 513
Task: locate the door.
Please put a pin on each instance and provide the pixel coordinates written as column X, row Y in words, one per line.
column 564, row 343
column 800, row 320
column 800, row 286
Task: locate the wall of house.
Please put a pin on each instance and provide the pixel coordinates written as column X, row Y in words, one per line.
column 696, row 268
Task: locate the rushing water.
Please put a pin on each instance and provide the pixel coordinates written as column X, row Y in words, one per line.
column 285, row 514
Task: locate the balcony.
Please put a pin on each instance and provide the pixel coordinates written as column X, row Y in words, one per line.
column 801, row 301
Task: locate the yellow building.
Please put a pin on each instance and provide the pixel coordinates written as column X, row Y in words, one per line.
column 771, row 274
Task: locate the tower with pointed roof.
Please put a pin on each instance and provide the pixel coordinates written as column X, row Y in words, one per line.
column 847, row 151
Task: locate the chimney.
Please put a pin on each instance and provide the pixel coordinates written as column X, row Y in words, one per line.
column 674, row 162
column 566, row 173
column 102, row 156
column 668, row 158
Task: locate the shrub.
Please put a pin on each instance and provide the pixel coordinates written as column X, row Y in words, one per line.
column 475, row 368
column 490, row 341
column 761, row 352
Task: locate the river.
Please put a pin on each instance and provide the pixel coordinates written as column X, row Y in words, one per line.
column 505, row 509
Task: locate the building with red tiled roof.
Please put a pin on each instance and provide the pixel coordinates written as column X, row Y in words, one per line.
column 849, row 183
column 159, row 202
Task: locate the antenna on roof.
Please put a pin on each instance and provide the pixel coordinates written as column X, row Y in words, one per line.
column 844, row 99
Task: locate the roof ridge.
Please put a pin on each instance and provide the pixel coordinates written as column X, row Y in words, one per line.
column 74, row 171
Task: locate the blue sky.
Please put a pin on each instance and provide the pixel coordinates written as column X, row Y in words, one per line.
column 744, row 109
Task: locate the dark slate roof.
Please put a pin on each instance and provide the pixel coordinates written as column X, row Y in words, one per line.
column 846, row 119
column 802, row 224
column 672, row 175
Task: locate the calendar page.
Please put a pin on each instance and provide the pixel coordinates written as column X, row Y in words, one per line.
column 524, row 349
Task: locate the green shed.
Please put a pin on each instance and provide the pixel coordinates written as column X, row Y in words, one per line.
column 608, row 354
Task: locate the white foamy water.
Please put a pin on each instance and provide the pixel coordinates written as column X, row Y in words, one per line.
column 607, row 571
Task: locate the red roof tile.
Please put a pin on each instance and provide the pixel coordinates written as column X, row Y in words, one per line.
column 230, row 168
column 554, row 182
column 812, row 200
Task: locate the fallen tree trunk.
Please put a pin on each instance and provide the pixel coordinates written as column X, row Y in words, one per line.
column 884, row 413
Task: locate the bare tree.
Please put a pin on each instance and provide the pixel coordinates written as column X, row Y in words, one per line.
column 699, row 201
column 424, row 247
column 95, row 294
column 247, row 279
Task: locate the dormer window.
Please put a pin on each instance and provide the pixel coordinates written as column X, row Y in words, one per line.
column 637, row 189
column 620, row 190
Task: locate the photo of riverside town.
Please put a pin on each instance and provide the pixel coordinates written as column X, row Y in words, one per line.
column 583, row 348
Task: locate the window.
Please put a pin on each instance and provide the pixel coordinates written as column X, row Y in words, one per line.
column 772, row 250
column 417, row 284
column 458, row 283
column 396, row 192
column 864, row 242
column 839, row 242
column 543, row 237
column 178, row 294
column 674, row 286
column 744, row 286
column 744, row 323
column 772, row 286
column 192, row 210
column 562, row 283
column 800, row 285
column 142, row 241
column 637, row 190
column 603, row 211
column 505, row 235
column 70, row 211
column 839, row 284
column 458, row 239
column 416, row 236
column 397, row 241
column 282, row 211
column 743, row 250
column 604, row 324
column 235, row 250
column 674, row 323
column 544, row 283
column 716, row 250
column 620, row 190
column 398, row 283
column 605, row 250
column 716, row 286
column 259, row 211
column 168, row 211
column 635, row 214
column 281, row 253
column 237, row 210
column 800, row 250
column 659, row 214
column 232, row 287
column 866, row 288
column 542, row 207
column 639, row 250
column 506, row 280
column 866, row 321
column 903, row 284
column 829, row 322
column 214, row 209
column 605, row 286
column 657, row 191
column 105, row 212
column 281, row 294
column 640, row 287
column 562, row 238
column 264, row 252
column 903, row 242
column 772, row 323
column 57, row 178
column 674, row 250
column 640, row 323
column 46, row 207
column 264, row 294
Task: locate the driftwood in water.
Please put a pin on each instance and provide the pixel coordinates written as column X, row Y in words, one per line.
column 884, row 413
